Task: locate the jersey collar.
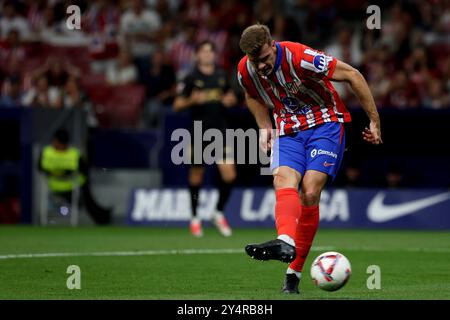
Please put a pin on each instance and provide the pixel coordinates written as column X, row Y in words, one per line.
column 278, row 59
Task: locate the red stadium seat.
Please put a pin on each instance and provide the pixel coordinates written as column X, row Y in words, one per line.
column 118, row 106
column 125, row 105
column 90, row 81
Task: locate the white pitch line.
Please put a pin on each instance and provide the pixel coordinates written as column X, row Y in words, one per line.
column 131, row 253
column 120, row 253
column 200, row 251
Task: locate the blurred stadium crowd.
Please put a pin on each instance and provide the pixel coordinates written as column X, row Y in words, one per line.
column 123, row 65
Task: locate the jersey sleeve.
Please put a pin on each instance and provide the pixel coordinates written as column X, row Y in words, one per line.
column 316, row 63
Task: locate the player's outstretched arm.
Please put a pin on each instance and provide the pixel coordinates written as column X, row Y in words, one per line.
column 352, row 76
column 262, row 117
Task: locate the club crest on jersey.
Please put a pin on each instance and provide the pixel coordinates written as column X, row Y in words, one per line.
column 293, row 87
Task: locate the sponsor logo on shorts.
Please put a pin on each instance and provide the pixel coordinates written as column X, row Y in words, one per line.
column 319, row 152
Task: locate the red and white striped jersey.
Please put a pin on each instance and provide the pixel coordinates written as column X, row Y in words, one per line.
column 299, row 89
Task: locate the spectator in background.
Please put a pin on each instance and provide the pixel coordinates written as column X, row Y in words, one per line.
column 101, row 22
column 12, row 93
column 197, row 11
column 12, row 20
column 419, row 69
column 13, row 53
column 346, row 48
column 48, row 28
column 74, row 97
column 35, row 15
column 379, row 83
column 51, row 27
column 160, row 81
column 436, row 97
column 403, row 93
column 182, row 49
column 302, row 12
column 123, row 71
column 41, row 95
column 265, row 12
column 166, row 8
column 57, row 71
column 228, row 13
column 285, row 28
column 212, row 31
column 12, row 49
column 241, row 20
column 138, row 30
column 45, row 25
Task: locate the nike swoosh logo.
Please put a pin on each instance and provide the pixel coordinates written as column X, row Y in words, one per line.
column 377, row 211
column 327, row 164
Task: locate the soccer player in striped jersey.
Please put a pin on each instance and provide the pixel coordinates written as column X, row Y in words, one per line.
column 294, row 82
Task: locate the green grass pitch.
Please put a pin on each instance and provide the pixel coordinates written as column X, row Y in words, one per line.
column 168, row 263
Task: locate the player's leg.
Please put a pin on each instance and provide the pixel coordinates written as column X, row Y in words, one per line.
column 227, row 172
column 311, row 188
column 288, row 163
column 195, row 181
column 325, row 149
column 287, row 213
column 287, row 207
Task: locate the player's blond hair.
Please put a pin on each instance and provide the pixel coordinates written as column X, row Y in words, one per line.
column 253, row 38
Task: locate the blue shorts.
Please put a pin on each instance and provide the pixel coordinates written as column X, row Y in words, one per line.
column 320, row 148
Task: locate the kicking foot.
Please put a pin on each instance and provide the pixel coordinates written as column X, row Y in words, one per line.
column 272, row 250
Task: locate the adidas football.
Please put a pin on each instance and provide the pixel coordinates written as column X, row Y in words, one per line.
column 330, row 271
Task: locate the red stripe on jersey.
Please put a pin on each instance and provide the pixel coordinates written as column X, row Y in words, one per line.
column 307, row 57
column 266, row 85
column 247, row 81
column 325, row 93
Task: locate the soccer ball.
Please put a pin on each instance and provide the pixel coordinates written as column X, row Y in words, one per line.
column 330, row 271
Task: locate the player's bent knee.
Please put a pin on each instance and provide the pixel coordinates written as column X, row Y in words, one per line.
column 278, row 182
column 310, row 198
